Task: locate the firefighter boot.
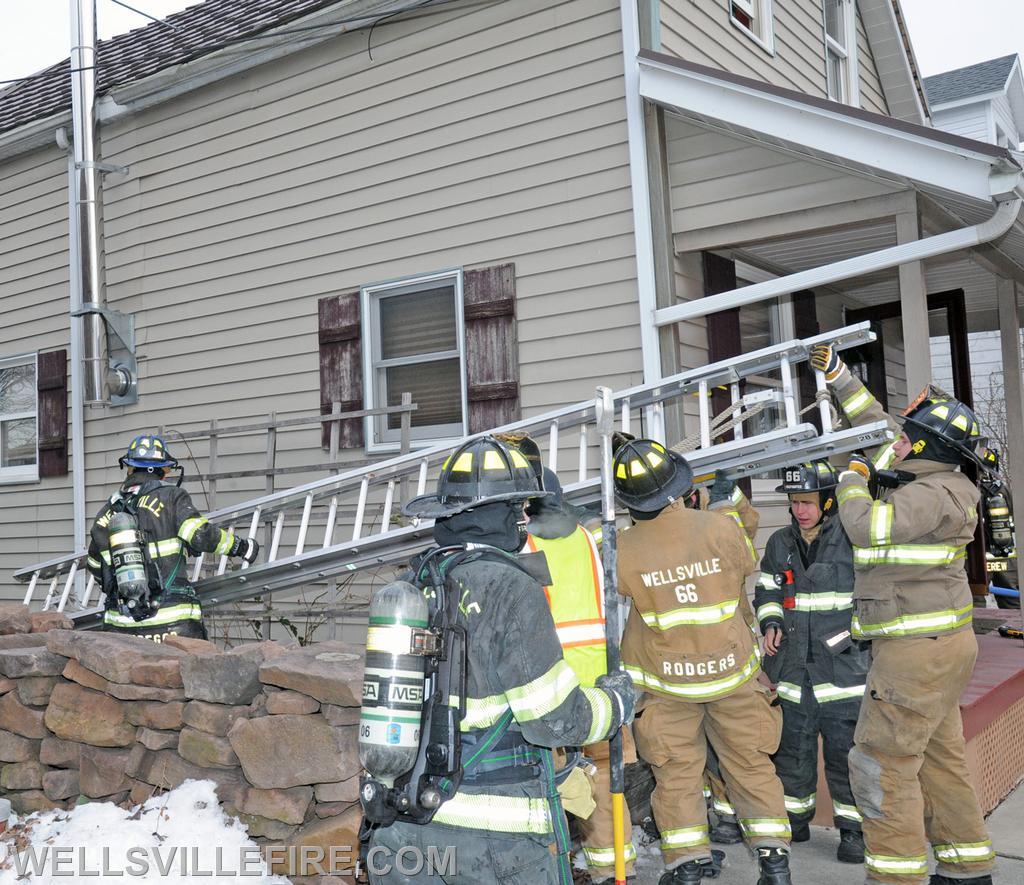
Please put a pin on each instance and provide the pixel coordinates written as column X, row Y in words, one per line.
column 773, row 864
column 936, row 879
column 726, row 832
column 693, row 872
column 851, row 847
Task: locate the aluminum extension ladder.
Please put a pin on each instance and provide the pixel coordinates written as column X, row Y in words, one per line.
column 363, row 501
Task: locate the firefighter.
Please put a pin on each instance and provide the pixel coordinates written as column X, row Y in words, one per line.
column 804, row 603
column 688, row 646
column 505, row 822
column 913, row 602
column 576, row 597
column 169, row 528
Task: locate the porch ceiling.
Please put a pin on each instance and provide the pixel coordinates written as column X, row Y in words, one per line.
column 795, row 183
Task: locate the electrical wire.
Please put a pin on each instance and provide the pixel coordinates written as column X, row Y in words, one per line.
column 422, row 10
column 160, row 21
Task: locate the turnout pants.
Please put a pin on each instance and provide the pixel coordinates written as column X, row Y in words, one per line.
column 744, row 730
column 907, row 767
column 597, row 830
column 797, row 761
column 436, row 854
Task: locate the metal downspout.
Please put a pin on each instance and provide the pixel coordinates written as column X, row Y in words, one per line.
column 643, row 235
column 966, row 238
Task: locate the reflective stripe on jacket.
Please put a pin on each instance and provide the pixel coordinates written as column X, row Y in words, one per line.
column 685, row 571
column 816, row 620
column 909, row 547
column 515, row 663
column 576, row 598
column 169, row 523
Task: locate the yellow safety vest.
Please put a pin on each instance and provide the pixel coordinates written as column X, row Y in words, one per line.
column 576, row 597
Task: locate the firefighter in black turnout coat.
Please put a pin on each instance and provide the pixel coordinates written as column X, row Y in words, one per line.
column 505, row 819
column 168, row 527
column 804, row 604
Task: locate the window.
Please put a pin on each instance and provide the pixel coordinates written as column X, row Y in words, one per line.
column 413, row 341
column 18, row 433
column 754, row 17
column 841, row 77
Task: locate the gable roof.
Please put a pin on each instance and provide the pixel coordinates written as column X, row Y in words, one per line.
column 198, row 30
column 980, row 79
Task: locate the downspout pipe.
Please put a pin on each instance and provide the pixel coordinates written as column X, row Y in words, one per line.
column 953, row 241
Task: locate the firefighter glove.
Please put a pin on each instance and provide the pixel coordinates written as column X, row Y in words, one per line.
column 863, row 467
column 619, row 686
column 247, row 548
column 825, row 358
column 721, row 489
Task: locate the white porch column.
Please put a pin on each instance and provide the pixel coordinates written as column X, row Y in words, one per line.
column 914, row 309
column 1013, row 386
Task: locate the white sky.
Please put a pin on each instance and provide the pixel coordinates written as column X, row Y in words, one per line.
column 947, row 34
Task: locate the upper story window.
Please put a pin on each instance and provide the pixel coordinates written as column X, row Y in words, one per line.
column 841, row 74
column 413, row 341
column 754, row 17
column 19, row 455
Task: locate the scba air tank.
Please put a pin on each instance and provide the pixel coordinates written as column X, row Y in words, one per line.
column 393, row 682
column 126, row 558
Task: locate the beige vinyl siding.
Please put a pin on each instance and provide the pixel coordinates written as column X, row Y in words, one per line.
column 702, row 32
column 719, row 180
column 872, row 97
column 35, row 518
column 477, row 135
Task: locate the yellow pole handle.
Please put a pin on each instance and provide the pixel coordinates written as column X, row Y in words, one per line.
column 619, row 840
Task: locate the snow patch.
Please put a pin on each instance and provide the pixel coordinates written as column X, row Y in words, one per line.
column 173, row 837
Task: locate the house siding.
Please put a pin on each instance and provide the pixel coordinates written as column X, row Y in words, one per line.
column 475, row 136
column 35, row 518
column 969, row 120
column 872, row 96
column 702, row 32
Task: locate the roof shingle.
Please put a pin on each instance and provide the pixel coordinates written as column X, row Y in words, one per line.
column 198, row 30
column 979, row 79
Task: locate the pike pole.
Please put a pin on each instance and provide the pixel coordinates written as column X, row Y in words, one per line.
column 605, row 412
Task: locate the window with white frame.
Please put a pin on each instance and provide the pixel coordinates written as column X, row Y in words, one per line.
column 19, row 436
column 841, row 75
column 413, row 342
column 754, row 18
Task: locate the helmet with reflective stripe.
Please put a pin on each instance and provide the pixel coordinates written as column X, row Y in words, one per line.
column 480, row 472
column 990, row 459
column 148, row 453
column 942, row 428
column 810, row 477
column 649, row 477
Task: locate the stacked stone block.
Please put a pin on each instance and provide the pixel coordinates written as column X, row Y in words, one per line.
column 119, row 719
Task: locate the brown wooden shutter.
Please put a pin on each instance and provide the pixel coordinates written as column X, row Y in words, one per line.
column 52, row 388
column 341, row 365
column 805, row 325
column 492, row 346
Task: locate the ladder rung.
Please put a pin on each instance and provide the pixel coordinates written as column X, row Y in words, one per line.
column 31, row 587
column 553, row 446
column 307, row 507
column 68, row 584
column 357, row 528
column 582, row 472
column 332, row 518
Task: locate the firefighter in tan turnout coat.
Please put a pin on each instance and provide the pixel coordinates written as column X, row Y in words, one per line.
column 688, row 646
column 913, row 602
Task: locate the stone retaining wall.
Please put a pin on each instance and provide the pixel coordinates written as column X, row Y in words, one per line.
column 118, row 719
